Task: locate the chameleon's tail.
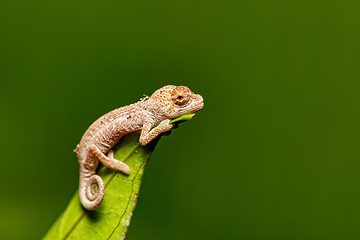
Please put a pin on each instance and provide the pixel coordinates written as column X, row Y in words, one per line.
column 91, row 191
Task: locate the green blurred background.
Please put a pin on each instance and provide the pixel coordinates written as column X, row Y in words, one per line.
column 274, row 154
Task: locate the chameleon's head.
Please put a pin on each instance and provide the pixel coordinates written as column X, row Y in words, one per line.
column 175, row 101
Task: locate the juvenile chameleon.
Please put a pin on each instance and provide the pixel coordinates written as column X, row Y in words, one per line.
column 151, row 115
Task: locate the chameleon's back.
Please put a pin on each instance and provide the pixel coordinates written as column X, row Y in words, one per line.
column 104, row 129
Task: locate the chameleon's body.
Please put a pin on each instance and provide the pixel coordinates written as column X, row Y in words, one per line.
column 151, row 115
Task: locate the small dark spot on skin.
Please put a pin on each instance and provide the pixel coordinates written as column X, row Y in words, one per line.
column 128, row 117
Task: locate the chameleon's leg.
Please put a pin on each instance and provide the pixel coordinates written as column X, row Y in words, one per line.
column 148, row 134
column 109, row 162
column 110, row 154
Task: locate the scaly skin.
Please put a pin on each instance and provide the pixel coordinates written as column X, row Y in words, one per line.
column 151, row 115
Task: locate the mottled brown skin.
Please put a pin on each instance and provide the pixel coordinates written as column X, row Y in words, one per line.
column 151, row 115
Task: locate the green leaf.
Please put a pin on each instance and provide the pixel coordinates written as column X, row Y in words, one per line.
column 112, row 218
column 182, row 118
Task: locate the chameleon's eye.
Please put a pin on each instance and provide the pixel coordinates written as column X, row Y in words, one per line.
column 181, row 95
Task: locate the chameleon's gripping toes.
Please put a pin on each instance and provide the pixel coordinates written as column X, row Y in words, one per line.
column 151, row 115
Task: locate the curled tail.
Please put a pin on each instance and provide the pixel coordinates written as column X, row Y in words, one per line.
column 91, row 191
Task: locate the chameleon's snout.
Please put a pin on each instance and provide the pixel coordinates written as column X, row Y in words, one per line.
column 199, row 102
column 200, row 99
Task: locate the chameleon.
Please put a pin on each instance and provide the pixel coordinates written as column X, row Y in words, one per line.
column 151, row 115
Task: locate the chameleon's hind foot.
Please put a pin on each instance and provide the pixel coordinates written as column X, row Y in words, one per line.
column 126, row 168
column 109, row 161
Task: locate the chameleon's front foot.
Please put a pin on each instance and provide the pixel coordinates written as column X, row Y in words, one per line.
column 147, row 136
column 165, row 126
